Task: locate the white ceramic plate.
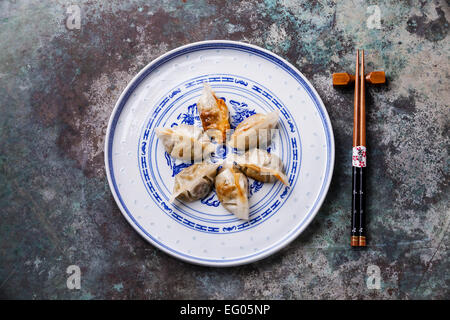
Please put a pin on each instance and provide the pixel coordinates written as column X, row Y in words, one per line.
column 250, row 79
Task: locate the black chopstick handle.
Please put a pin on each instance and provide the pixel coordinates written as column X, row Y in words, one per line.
column 354, row 240
column 362, row 207
column 359, row 197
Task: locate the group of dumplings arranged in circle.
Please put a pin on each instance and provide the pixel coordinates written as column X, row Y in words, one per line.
column 194, row 144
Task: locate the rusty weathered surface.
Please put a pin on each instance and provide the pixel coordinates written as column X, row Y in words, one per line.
column 58, row 87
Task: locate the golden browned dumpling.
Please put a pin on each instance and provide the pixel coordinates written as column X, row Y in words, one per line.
column 194, row 182
column 262, row 166
column 214, row 114
column 232, row 191
column 255, row 131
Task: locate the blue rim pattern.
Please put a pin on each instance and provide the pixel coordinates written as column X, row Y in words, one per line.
column 247, row 49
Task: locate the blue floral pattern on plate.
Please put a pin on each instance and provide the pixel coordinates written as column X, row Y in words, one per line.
column 240, row 112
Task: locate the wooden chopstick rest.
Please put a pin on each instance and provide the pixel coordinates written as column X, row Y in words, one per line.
column 344, row 78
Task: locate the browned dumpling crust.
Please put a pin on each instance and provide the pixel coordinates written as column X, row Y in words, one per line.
column 262, row 166
column 213, row 114
column 232, row 191
column 255, row 131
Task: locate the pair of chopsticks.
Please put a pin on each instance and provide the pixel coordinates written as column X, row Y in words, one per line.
column 358, row 229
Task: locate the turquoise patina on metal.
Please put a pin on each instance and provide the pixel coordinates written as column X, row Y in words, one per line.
column 59, row 83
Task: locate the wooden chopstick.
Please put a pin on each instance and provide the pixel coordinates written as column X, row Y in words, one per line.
column 362, row 143
column 354, row 240
column 362, row 105
column 358, row 229
column 358, row 215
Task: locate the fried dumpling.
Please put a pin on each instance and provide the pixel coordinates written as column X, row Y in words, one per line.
column 185, row 142
column 214, row 114
column 194, row 182
column 232, row 191
column 255, row 131
column 262, row 166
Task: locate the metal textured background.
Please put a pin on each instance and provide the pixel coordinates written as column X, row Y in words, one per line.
column 57, row 89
